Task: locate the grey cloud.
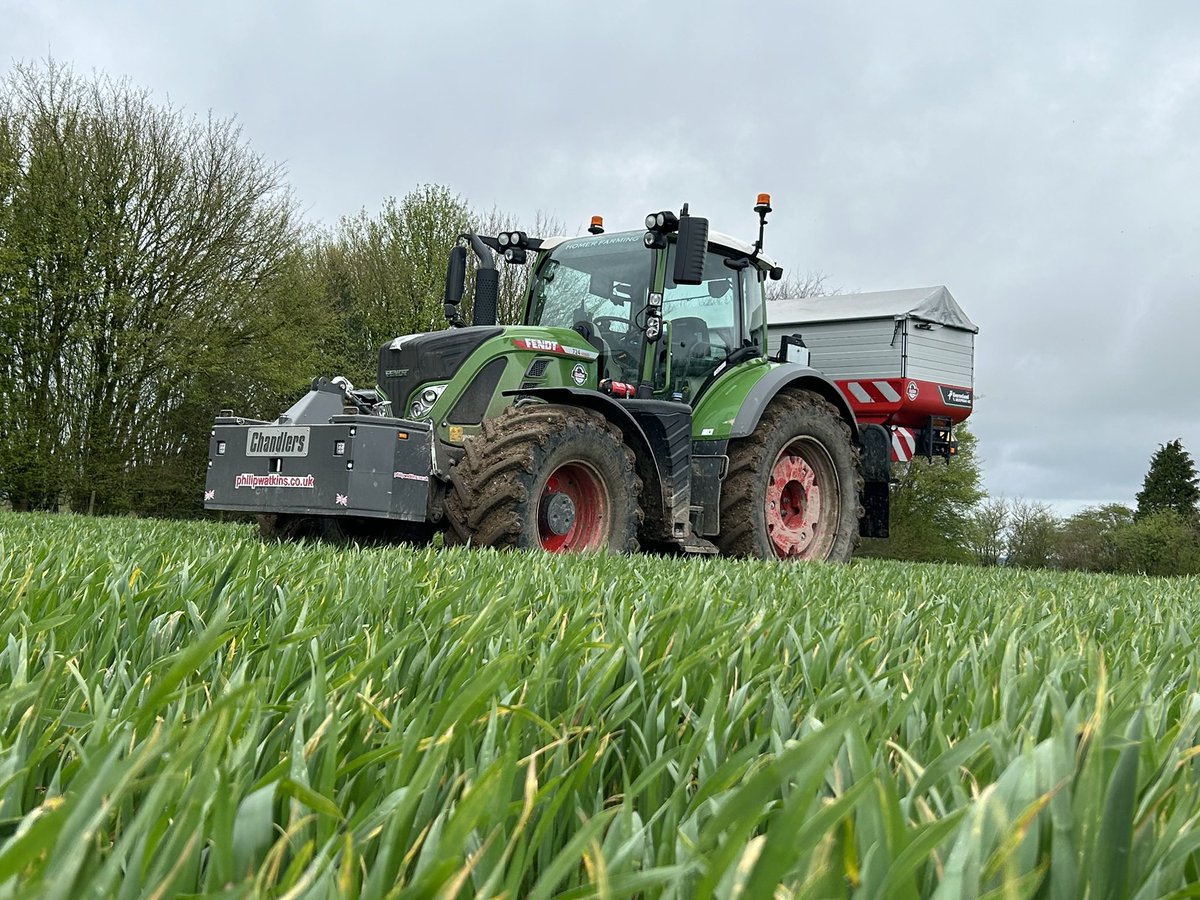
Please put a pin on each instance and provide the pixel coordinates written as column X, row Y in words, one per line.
column 1039, row 159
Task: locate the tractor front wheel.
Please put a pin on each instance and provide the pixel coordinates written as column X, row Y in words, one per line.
column 793, row 487
column 548, row 477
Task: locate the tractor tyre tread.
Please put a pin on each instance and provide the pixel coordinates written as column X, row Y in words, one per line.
column 743, row 530
column 495, row 484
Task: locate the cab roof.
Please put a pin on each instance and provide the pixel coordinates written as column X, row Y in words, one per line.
column 717, row 238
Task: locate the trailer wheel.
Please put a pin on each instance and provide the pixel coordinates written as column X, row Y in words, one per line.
column 793, row 487
column 548, row 477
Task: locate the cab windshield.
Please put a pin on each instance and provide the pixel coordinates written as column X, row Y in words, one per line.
column 603, row 283
column 605, row 277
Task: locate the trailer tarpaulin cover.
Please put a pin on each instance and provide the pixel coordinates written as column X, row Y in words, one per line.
column 930, row 304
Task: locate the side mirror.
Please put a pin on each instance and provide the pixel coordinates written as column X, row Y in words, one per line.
column 792, row 349
column 456, row 277
column 690, row 250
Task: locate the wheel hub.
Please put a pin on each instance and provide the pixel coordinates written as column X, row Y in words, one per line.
column 574, row 512
column 793, row 505
column 558, row 512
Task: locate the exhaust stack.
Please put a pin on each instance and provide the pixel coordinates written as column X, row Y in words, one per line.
column 487, row 284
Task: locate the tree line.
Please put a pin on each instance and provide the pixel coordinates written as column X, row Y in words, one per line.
column 940, row 513
column 155, row 269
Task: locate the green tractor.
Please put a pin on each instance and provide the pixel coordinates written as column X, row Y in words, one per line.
column 636, row 406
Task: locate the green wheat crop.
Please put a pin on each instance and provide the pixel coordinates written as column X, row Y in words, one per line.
column 186, row 711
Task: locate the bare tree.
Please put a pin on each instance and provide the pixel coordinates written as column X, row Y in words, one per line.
column 987, row 531
column 1032, row 535
column 795, row 286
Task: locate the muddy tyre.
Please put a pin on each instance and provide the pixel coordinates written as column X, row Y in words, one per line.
column 793, row 487
column 548, row 477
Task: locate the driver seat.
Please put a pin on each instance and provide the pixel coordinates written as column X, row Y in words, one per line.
column 691, row 346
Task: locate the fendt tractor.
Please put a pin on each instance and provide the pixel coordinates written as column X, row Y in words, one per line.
column 638, row 404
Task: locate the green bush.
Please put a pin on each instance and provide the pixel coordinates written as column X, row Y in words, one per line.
column 1159, row 543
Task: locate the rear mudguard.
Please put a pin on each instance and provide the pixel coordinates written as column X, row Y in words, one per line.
column 788, row 376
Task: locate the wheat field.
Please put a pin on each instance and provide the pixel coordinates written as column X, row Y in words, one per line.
column 186, row 711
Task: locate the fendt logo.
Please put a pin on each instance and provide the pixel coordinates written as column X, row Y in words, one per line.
column 539, row 344
column 956, row 396
column 277, row 442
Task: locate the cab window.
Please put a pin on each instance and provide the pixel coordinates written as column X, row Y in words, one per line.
column 704, row 323
column 754, row 305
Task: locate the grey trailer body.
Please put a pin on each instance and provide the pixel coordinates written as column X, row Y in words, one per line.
column 919, row 333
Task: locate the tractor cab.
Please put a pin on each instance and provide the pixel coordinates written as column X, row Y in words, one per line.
column 609, row 289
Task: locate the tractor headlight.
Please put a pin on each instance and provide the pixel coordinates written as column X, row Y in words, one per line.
column 665, row 222
column 424, row 401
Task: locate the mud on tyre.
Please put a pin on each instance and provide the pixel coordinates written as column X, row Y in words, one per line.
column 794, row 485
column 544, row 476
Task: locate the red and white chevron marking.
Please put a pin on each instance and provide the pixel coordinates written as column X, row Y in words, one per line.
column 904, row 444
column 872, row 391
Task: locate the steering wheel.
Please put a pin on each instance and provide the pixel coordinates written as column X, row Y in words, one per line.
column 707, row 349
column 607, row 322
column 623, row 345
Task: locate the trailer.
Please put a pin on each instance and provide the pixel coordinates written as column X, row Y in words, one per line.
column 904, row 359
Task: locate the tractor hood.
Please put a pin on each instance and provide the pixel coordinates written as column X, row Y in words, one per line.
column 414, row 359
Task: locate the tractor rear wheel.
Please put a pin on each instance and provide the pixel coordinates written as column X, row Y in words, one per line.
column 793, row 487
column 548, row 477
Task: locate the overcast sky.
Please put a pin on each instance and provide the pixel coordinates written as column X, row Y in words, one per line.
column 1042, row 160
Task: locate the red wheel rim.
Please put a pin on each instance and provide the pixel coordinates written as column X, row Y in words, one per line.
column 801, row 502
column 592, row 521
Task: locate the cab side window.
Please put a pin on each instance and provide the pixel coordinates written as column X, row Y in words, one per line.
column 754, row 306
column 703, row 324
